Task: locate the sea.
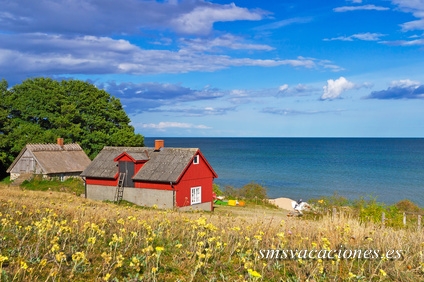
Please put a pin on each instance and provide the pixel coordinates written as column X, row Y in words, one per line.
column 384, row 169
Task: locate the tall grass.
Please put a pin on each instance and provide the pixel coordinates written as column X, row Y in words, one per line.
column 61, row 237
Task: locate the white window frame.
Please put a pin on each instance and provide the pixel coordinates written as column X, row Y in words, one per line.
column 196, row 159
column 196, row 195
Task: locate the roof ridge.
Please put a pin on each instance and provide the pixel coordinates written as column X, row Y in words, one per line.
column 53, row 147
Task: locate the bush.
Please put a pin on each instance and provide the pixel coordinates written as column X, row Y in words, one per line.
column 371, row 210
column 217, row 190
column 407, row 206
column 326, row 203
column 253, row 191
column 6, row 180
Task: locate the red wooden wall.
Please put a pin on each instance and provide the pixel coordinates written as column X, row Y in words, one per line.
column 102, row 181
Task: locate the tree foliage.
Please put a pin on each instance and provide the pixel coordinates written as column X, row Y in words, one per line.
column 41, row 109
column 250, row 191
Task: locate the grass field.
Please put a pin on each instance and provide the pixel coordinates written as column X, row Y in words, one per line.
column 59, row 236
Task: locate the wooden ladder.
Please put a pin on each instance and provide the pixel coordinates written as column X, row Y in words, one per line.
column 120, row 187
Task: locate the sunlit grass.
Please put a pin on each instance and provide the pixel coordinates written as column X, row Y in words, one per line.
column 70, row 185
column 58, row 236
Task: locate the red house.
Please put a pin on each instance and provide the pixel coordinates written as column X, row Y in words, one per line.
column 163, row 177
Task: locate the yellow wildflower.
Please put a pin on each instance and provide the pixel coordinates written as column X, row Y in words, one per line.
column 55, row 248
column 106, row 277
column 3, row 259
column 119, row 260
column 78, row 256
column 43, row 262
column 254, row 273
column 159, row 249
column 91, row 240
column 60, row 257
column 24, row 265
column 107, row 257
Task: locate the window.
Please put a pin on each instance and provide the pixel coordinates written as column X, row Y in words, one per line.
column 196, row 159
column 196, row 195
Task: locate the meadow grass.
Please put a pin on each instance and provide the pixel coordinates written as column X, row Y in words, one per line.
column 38, row 183
column 58, row 236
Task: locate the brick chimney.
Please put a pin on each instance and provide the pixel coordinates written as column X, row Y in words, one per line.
column 159, row 144
column 60, row 142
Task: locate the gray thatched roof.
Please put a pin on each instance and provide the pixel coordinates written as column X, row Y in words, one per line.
column 165, row 165
column 103, row 165
column 54, row 159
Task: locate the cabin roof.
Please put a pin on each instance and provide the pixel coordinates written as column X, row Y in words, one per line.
column 54, row 158
column 164, row 165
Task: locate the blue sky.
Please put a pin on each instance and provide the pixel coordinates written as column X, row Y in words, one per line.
column 243, row 68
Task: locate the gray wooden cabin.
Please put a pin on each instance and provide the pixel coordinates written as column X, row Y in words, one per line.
column 50, row 160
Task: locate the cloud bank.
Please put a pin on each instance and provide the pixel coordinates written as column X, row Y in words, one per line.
column 416, row 7
column 368, row 36
column 99, row 17
column 358, row 8
column 401, row 89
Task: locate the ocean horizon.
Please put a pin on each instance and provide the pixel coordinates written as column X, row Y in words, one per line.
column 385, row 169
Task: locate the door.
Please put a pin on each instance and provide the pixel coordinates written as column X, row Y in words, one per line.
column 128, row 169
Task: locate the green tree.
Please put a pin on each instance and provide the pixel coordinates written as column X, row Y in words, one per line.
column 41, row 109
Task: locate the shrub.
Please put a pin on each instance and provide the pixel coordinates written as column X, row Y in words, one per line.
column 217, row 190
column 326, row 203
column 231, row 192
column 250, row 191
column 407, row 206
column 6, row 180
column 253, row 191
column 372, row 211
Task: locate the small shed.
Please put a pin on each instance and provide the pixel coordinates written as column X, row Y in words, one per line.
column 160, row 176
column 50, row 160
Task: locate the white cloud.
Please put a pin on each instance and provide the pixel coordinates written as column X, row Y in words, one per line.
column 358, row 8
column 405, row 83
column 335, row 88
column 283, row 88
column 416, row 7
column 41, row 53
column 225, row 41
column 201, row 19
column 367, row 36
column 299, row 90
column 416, row 42
column 238, row 93
column 171, row 124
column 413, row 25
column 284, row 23
column 118, row 17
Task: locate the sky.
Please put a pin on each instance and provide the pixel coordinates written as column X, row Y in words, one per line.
column 196, row 68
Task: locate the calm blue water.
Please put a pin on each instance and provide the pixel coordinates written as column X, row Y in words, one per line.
column 389, row 169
